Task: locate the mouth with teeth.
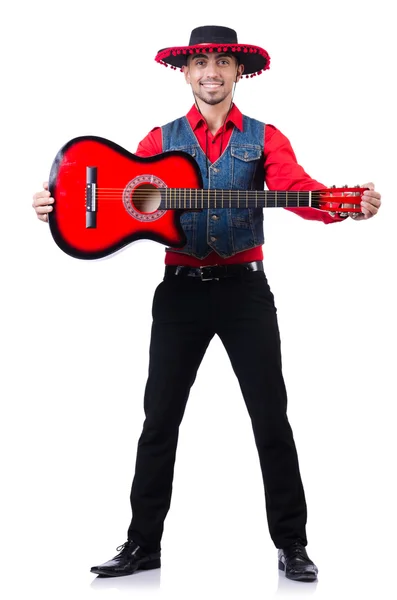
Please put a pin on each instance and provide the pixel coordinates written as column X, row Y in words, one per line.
column 211, row 85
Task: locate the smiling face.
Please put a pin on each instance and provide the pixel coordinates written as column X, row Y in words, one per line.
column 212, row 76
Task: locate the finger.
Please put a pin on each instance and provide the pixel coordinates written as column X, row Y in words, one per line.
column 45, row 185
column 371, row 202
column 43, row 210
column 369, row 185
column 42, row 198
column 368, row 208
column 38, row 195
column 43, row 218
column 372, row 196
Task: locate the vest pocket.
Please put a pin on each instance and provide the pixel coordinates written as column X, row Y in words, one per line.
column 188, row 220
column 240, row 218
column 244, row 162
column 246, row 153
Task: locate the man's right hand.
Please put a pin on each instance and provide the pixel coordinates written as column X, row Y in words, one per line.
column 42, row 202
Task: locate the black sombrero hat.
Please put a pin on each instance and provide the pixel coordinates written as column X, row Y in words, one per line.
column 212, row 38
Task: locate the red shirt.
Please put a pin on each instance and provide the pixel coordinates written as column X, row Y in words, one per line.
column 282, row 172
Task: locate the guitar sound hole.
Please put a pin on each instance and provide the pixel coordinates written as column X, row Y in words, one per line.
column 146, row 198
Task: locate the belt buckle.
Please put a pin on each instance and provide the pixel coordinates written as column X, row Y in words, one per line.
column 204, row 277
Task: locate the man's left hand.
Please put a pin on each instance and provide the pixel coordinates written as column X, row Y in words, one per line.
column 370, row 203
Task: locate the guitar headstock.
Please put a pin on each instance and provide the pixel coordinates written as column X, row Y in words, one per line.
column 342, row 200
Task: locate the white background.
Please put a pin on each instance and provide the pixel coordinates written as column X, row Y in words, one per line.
column 75, row 334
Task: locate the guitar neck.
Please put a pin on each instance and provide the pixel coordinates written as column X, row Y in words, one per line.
column 187, row 198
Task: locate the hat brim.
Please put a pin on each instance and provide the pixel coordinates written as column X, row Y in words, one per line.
column 255, row 59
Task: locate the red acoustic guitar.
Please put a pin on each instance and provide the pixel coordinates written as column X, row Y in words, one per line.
column 106, row 197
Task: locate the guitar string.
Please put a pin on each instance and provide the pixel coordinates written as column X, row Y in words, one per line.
column 206, row 190
column 235, row 197
column 186, row 194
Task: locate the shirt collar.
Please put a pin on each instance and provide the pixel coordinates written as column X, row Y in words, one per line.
column 235, row 117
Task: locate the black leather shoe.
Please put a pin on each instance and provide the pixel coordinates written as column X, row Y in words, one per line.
column 296, row 563
column 131, row 558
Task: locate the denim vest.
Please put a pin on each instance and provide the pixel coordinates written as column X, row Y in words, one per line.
column 228, row 230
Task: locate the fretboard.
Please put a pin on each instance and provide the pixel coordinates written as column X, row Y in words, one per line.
column 186, row 198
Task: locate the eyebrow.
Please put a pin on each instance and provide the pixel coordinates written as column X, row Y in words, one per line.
column 205, row 55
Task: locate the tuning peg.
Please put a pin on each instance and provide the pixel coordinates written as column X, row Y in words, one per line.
column 333, row 186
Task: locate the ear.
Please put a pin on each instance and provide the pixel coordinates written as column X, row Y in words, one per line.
column 186, row 73
column 240, row 71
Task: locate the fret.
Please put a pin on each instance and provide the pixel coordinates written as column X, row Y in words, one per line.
column 276, row 200
column 215, row 197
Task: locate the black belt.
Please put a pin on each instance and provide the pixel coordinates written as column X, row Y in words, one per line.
column 213, row 271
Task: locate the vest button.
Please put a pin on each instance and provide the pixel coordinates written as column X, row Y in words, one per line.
column 214, row 217
column 215, row 170
column 213, row 238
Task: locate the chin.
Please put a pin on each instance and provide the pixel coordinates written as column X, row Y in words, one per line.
column 212, row 101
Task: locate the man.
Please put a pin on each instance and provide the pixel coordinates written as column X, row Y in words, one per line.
column 216, row 285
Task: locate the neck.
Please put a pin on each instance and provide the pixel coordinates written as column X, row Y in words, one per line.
column 214, row 114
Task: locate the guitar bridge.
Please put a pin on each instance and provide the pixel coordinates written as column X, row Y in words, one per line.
column 91, row 198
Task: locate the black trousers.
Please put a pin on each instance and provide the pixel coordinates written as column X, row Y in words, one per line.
column 187, row 313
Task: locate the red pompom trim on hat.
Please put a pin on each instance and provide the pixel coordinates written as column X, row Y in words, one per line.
column 246, row 49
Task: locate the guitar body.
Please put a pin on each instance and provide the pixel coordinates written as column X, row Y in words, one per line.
column 119, row 179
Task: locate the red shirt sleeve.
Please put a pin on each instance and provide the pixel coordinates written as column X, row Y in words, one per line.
column 152, row 144
column 282, row 172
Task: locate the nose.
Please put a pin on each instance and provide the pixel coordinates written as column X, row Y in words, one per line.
column 211, row 70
